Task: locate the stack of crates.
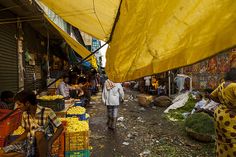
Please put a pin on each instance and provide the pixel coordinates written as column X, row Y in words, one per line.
column 58, row 147
column 77, row 143
column 81, row 116
column 56, row 105
column 9, row 121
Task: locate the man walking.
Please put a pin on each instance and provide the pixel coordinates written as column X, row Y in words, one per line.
column 111, row 96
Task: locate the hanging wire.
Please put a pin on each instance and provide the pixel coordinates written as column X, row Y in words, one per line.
column 23, row 17
column 37, row 17
column 15, row 6
column 61, row 15
column 9, row 22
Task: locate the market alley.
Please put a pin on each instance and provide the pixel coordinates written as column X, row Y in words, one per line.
column 141, row 132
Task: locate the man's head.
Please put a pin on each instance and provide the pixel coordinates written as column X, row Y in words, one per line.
column 25, row 99
column 208, row 92
column 66, row 79
column 7, row 97
column 198, row 97
column 231, row 75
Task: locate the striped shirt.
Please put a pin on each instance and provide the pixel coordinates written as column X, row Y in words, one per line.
column 45, row 120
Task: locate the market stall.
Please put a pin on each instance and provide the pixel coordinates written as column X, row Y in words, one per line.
column 74, row 141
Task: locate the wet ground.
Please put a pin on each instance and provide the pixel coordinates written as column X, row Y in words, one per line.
column 142, row 132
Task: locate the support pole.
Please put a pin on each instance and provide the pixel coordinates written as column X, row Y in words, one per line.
column 169, row 86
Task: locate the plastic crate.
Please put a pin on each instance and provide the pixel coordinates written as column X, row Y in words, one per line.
column 55, row 105
column 78, row 103
column 76, row 141
column 58, row 147
column 82, row 153
column 80, row 116
column 3, row 142
column 11, row 123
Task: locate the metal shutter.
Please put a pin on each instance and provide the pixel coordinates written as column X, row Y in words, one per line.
column 32, row 44
column 30, row 83
column 8, row 58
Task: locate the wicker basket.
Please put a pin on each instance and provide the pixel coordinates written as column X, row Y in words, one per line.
column 144, row 100
column 162, row 101
column 200, row 136
column 55, row 105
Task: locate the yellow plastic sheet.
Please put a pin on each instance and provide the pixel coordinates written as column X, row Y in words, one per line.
column 76, row 46
column 153, row 36
column 95, row 17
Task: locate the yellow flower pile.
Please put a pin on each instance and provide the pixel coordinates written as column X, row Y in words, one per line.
column 50, row 97
column 20, row 130
column 74, row 125
column 76, row 110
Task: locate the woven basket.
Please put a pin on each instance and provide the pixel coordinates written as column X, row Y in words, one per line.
column 200, row 136
column 162, row 101
column 144, row 100
column 56, row 105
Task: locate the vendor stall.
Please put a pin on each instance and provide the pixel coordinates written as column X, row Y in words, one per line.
column 209, row 73
column 74, row 141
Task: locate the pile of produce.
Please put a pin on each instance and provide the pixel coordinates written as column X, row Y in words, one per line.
column 50, row 97
column 177, row 114
column 74, row 125
column 76, row 110
column 201, row 123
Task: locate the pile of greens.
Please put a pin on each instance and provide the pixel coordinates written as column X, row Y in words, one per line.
column 201, row 123
column 178, row 113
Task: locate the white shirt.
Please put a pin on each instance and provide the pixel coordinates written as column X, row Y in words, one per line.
column 147, row 80
column 199, row 105
column 211, row 105
column 63, row 89
column 111, row 97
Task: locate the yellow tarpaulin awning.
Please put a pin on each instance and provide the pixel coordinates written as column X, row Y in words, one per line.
column 153, row 36
column 76, row 46
column 95, row 17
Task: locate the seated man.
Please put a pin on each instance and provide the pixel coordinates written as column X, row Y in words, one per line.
column 39, row 123
column 200, row 103
column 64, row 88
column 7, row 100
